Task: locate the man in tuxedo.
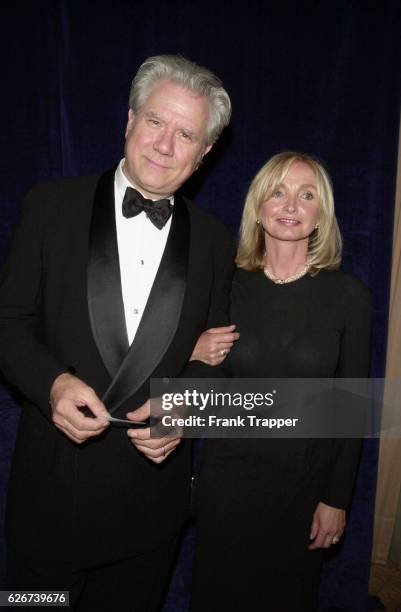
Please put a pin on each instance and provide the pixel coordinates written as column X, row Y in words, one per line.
column 109, row 282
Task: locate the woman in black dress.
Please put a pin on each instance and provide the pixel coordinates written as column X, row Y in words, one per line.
column 268, row 507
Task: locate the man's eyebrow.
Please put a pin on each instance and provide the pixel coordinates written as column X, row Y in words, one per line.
column 152, row 115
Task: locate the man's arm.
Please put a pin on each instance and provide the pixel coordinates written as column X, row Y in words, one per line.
column 218, row 316
column 158, row 449
column 25, row 360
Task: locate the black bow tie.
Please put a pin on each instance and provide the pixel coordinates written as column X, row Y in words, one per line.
column 158, row 212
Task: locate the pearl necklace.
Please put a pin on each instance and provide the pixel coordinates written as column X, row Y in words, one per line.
column 289, row 279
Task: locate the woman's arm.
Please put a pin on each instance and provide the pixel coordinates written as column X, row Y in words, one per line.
column 328, row 521
column 353, row 362
column 214, row 345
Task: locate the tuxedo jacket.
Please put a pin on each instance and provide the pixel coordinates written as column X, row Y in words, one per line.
column 61, row 310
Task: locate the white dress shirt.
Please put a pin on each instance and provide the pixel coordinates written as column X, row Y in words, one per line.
column 140, row 249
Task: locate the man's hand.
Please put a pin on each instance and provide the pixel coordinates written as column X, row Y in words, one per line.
column 328, row 525
column 67, row 395
column 155, row 449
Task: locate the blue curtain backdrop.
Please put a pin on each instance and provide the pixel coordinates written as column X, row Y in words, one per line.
column 321, row 77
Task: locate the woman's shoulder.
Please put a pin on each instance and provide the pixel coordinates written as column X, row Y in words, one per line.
column 345, row 285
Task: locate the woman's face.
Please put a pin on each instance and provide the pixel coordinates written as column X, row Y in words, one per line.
column 291, row 212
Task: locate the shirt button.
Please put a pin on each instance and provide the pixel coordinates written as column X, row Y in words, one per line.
column 136, row 310
column 142, row 262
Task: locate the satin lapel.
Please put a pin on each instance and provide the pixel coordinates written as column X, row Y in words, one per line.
column 105, row 302
column 161, row 316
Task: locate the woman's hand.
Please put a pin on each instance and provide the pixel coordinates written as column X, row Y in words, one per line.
column 328, row 525
column 214, row 345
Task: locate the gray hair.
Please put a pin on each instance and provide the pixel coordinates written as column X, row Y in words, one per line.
column 191, row 76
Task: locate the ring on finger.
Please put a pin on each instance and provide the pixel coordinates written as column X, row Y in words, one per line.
column 223, row 352
column 335, row 540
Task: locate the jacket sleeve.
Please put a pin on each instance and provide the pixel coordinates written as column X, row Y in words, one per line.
column 24, row 360
column 223, row 261
column 353, row 362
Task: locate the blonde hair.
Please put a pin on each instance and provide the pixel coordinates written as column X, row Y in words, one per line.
column 325, row 243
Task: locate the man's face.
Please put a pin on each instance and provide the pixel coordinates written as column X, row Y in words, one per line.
column 166, row 139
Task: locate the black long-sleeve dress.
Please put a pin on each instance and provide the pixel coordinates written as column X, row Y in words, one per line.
column 256, row 497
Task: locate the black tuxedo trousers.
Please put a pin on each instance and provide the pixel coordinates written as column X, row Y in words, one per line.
column 61, row 310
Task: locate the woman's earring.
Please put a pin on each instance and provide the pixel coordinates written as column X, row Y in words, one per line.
column 257, row 221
